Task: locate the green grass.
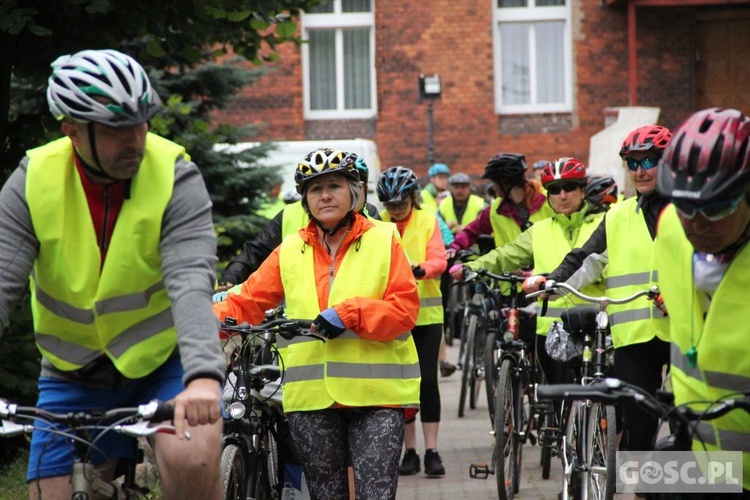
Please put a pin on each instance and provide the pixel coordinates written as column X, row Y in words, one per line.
column 13, row 478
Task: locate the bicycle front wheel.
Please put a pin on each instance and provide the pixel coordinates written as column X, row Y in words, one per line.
column 490, row 372
column 234, row 473
column 600, row 452
column 477, row 364
column 467, row 367
column 506, row 434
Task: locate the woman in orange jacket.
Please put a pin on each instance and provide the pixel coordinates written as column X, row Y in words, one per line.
column 398, row 190
column 349, row 393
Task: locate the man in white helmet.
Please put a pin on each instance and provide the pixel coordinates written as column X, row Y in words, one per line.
column 113, row 224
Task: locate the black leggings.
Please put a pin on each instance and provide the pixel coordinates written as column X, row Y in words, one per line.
column 427, row 338
column 368, row 438
column 641, row 365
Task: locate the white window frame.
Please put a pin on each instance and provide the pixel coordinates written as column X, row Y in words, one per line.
column 532, row 14
column 338, row 20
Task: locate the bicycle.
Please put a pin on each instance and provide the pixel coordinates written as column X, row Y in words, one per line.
column 682, row 419
column 587, row 444
column 256, row 442
column 510, row 365
column 84, row 429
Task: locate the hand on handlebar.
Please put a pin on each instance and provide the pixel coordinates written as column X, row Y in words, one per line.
column 450, row 253
column 534, row 284
column 659, row 303
column 457, row 272
column 198, row 404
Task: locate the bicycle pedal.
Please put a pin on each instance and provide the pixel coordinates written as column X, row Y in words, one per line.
column 480, row 471
column 532, row 439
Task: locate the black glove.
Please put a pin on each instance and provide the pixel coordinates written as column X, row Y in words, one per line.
column 328, row 327
column 418, row 272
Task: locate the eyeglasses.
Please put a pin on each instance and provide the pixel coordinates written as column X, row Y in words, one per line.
column 646, row 163
column 568, row 187
column 396, row 205
column 712, row 211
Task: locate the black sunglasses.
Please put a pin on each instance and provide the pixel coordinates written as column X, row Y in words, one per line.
column 568, row 187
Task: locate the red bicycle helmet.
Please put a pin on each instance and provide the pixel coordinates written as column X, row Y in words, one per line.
column 564, row 170
column 708, row 158
column 647, row 138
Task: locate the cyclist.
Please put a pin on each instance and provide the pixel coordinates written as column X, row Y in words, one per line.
column 519, row 204
column 624, row 242
column 291, row 218
column 601, row 192
column 545, row 243
column 398, row 189
column 101, row 219
column 461, row 206
column 353, row 279
column 702, row 257
column 436, row 189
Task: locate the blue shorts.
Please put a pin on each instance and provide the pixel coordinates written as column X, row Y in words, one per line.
column 52, row 455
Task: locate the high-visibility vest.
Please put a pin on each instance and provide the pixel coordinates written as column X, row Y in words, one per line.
column 121, row 310
column 347, row 370
column 427, row 201
column 630, row 270
column 418, row 232
column 474, row 206
column 293, row 219
column 550, row 246
column 722, row 367
column 505, row 229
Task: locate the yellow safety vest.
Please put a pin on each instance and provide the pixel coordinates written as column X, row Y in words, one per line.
column 418, row 232
column 550, row 246
column 505, row 229
column 427, row 201
column 474, row 206
column 121, row 311
column 347, row 370
column 720, row 340
column 293, row 219
column 630, row 270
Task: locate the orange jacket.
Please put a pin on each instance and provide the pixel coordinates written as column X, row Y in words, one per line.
column 372, row 319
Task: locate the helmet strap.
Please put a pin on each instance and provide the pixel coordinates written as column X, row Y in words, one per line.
column 99, row 172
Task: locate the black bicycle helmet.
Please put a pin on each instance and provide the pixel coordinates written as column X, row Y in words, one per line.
column 708, row 157
column 506, row 166
column 397, row 184
column 320, row 162
column 601, row 190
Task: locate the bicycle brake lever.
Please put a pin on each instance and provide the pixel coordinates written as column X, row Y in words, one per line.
column 145, row 429
column 11, row 429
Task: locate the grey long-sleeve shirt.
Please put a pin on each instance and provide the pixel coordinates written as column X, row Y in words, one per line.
column 188, row 250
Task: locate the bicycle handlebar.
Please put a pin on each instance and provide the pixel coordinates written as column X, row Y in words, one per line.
column 552, row 286
column 287, row 328
column 512, row 278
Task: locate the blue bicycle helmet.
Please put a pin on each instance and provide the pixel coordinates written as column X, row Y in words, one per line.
column 359, row 164
column 397, row 184
column 438, row 168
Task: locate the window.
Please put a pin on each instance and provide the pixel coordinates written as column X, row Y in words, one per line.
column 532, row 56
column 338, row 60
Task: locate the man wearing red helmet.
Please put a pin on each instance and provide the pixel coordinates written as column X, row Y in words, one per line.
column 544, row 244
column 702, row 259
column 624, row 242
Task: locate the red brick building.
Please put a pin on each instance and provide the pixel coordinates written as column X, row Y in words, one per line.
column 532, row 76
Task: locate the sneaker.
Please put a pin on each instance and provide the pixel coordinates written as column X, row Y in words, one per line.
column 433, row 464
column 410, row 464
column 447, row 369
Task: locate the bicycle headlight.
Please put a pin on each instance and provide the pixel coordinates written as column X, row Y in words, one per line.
column 236, row 410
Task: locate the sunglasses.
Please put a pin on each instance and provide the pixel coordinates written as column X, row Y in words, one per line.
column 568, row 187
column 712, row 211
column 396, row 205
column 645, row 163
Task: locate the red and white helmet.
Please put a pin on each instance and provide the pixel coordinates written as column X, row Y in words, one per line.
column 565, row 169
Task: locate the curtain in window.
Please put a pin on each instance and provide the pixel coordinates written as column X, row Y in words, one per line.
column 514, row 53
column 355, row 6
column 357, row 68
column 550, row 65
column 322, row 69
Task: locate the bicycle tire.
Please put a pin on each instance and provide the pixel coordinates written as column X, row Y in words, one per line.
column 490, row 372
column 569, row 452
column 545, row 459
column 467, row 368
column 452, row 304
column 477, row 363
column 600, row 452
column 234, row 473
column 506, row 436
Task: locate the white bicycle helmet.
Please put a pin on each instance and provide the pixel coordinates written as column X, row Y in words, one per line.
column 113, row 77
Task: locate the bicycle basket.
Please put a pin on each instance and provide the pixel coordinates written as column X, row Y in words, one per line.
column 561, row 345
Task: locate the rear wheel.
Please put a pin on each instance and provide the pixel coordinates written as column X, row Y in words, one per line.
column 477, row 363
column 467, row 365
column 234, row 473
column 506, row 434
column 600, row 452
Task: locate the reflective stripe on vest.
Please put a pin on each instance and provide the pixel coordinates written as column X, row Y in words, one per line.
column 505, row 229
column 629, row 247
column 722, row 367
column 293, row 219
column 347, row 370
column 474, row 205
column 550, row 246
column 121, row 310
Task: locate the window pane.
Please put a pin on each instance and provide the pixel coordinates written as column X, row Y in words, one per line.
column 355, row 6
column 511, row 3
column 549, row 3
column 550, row 63
column 514, row 53
column 322, row 69
column 357, row 68
column 326, row 8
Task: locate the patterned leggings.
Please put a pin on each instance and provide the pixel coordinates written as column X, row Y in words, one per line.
column 370, row 438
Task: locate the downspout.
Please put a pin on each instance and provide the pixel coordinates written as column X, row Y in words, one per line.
column 632, row 56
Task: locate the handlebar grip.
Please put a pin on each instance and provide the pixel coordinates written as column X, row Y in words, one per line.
column 164, row 411
column 561, row 391
column 268, row 372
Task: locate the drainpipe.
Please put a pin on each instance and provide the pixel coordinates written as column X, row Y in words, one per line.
column 632, row 56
